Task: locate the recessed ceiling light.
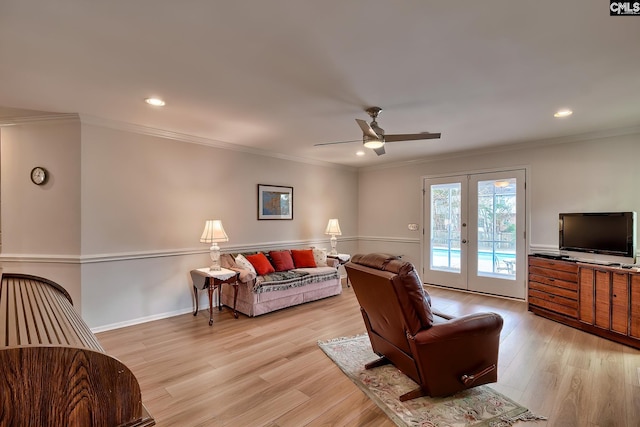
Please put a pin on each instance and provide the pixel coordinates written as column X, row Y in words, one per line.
column 156, row 102
column 360, row 153
column 563, row 113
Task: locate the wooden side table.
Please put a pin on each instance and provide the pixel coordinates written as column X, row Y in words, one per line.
column 342, row 259
column 204, row 278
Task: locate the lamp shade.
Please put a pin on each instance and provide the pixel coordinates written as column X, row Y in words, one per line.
column 213, row 232
column 333, row 227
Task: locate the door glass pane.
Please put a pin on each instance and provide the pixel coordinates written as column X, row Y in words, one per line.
column 445, row 227
column 497, row 228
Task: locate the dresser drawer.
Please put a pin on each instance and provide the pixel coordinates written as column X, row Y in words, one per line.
column 553, row 286
column 556, row 288
column 554, row 303
column 567, row 276
column 550, row 264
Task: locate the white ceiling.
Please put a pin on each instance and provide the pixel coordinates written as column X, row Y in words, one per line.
column 282, row 75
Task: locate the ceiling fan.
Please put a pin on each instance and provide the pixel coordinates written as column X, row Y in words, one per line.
column 373, row 136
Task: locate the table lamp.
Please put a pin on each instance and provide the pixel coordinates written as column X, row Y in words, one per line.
column 333, row 228
column 214, row 233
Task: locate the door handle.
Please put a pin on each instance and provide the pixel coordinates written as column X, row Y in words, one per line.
column 464, row 240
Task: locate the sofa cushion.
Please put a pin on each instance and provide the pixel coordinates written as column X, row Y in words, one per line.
column 320, row 257
column 303, row 258
column 260, row 263
column 242, row 262
column 296, row 278
column 282, row 260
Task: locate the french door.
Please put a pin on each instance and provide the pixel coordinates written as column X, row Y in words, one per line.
column 474, row 234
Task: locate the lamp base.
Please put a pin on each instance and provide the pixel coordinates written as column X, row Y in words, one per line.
column 334, row 244
column 214, row 252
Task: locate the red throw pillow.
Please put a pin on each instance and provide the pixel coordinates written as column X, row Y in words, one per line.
column 303, row 258
column 260, row 263
column 282, row 260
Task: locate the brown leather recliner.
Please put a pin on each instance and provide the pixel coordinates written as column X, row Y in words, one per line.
column 442, row 354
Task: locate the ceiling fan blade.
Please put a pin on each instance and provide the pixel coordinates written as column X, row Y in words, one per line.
column 366, row 129
column 379, row 151
column 337, row 142
column 411, row 136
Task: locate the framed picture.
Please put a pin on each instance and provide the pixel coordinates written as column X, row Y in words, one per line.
column 275, row 202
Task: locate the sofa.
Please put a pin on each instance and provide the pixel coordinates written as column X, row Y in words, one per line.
column 271, row 280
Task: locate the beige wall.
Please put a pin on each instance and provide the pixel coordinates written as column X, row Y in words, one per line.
column 144, row 193
column 119, row 222
column 588, row 175
column 41, row 224
column 145, row 200
column 51, row 212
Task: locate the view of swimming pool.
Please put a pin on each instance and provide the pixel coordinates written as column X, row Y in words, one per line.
column 502, row 263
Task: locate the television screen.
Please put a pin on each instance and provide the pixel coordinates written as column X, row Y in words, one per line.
column 608, row 233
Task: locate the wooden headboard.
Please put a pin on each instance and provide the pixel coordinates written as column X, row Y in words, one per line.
column 54, row 371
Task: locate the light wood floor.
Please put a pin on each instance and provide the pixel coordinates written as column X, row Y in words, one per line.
column 269, row 371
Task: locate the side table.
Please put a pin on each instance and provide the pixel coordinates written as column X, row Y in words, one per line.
column 342, row 259
column 204, row 278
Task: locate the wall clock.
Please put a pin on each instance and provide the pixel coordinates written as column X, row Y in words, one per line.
column 39, row 175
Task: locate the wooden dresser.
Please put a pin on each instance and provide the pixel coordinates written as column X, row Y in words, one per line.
column 54, row 371
column 553, row 287
column 602, row 300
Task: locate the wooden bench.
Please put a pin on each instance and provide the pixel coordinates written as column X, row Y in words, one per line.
column 54, row 371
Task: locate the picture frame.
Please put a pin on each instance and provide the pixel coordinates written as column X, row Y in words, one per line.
column 275, row 202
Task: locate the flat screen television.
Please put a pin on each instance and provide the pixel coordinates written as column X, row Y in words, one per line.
column 607, row 233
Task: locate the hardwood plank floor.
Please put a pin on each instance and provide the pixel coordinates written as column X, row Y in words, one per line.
column 269, row 371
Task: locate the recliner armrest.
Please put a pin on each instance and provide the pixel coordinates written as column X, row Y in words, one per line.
column 457, row 354
column 460, row 328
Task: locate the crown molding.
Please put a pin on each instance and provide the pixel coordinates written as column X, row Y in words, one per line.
column 589, row 136
column 38, row 119
column 182, row 137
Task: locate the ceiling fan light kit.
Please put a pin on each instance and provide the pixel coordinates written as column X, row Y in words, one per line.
column 373, row 136
column 372, row 143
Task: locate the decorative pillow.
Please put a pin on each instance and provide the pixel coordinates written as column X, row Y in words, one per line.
column 244, row 263
column 320, row 257
column 303, row 258
column 260, row 263
column 282, row 260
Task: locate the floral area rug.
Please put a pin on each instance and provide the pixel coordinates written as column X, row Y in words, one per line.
column 479, row 406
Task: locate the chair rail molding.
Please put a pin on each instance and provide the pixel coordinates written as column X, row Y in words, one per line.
column 126, row 256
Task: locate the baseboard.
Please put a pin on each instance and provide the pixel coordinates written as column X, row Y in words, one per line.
column 146, row 319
